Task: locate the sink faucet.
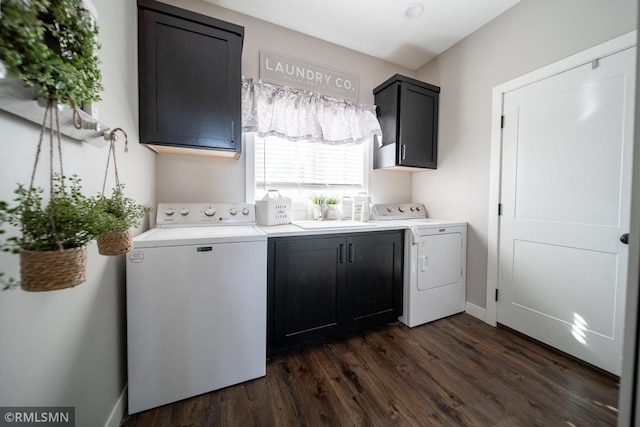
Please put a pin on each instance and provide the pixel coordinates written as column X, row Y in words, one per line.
column 320, row 209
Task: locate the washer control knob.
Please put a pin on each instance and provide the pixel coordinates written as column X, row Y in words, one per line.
column 184, row 211
column 233, row 211
column 402, row 209
column 168, row 211
column 209, row 211
column 418, row 208
column 412, row 209
column 245, row 211
column 389, row 209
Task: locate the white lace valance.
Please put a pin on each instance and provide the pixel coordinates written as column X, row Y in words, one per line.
column 296, row 114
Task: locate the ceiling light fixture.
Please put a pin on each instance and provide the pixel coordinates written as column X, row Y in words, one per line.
column 414, row 10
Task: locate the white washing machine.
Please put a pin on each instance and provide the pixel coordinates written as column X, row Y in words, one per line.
column 196, row 303
column 435, row 263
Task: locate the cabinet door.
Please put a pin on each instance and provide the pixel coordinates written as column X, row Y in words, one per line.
column 189, row 81
column 308, row 289
column 387, row 111
column 418, row 127
column 374, row 278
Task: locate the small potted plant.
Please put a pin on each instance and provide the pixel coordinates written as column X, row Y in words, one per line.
column 53, row 235
column 325, row 205
column 113, row 219
column 332, row 207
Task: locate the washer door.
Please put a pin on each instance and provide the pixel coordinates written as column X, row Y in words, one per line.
column 439, row 260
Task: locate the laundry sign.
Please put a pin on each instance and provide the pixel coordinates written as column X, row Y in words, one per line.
column 288, row 72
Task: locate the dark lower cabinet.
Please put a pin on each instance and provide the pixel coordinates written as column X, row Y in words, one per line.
column 374, row 279
column 327, row 286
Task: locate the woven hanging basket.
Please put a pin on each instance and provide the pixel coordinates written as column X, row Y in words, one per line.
column 115, row 243
column 52, row 270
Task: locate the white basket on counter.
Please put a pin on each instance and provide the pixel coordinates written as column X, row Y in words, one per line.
column 346, row 210
column 273, row 209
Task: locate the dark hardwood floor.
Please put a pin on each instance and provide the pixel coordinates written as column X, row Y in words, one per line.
column 457, row 371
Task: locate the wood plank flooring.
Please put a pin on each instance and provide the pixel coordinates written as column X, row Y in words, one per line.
column 457, row 371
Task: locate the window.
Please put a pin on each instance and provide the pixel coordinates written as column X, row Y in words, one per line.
column 301, row 169
column 308, row 144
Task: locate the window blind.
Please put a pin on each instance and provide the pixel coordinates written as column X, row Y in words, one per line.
column 289, row 164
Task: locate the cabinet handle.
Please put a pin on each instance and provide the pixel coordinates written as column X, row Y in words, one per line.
column 352, row 251
column 404, row 151
column 341, row 253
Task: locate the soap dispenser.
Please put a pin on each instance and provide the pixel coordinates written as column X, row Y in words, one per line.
column 364, row 212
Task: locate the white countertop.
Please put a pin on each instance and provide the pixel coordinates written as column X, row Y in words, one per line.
column 314, row 227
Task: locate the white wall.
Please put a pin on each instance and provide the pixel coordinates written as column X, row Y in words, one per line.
column 184, row 178
column 67, row 347
column 532, row 34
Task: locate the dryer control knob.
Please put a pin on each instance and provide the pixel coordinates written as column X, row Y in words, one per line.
column 245, row 211
column 209, row 211
column 168, row 212
column 233, row 211
column 401, row 209
column 389, row 209
column 184, row 211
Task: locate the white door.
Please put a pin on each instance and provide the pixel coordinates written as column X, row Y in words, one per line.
column 565, row 198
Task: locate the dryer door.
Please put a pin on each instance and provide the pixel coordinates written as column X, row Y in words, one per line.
column 440, row 258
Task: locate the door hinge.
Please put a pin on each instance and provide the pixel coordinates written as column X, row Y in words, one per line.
column 496, row 294
column 501, row 122
column 499, row 209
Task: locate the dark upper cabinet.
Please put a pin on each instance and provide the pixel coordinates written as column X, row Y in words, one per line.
column 189, row 79
column 324, row 287
column 408, row 113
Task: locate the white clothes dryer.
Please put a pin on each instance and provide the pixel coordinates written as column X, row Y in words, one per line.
column 435, row 267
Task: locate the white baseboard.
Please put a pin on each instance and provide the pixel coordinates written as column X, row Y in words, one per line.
column 120, row 408
column 476, row 311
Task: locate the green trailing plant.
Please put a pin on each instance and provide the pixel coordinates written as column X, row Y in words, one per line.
column 63, row 222
column 117, row 213
column 51, row 45
column 331, row 201
column 326, row 200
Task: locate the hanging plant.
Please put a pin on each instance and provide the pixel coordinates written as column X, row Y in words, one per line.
column 51, row 45
column 114, row 216
column 52, row 236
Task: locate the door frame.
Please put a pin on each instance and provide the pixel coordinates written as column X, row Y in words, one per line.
column 493, row 236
